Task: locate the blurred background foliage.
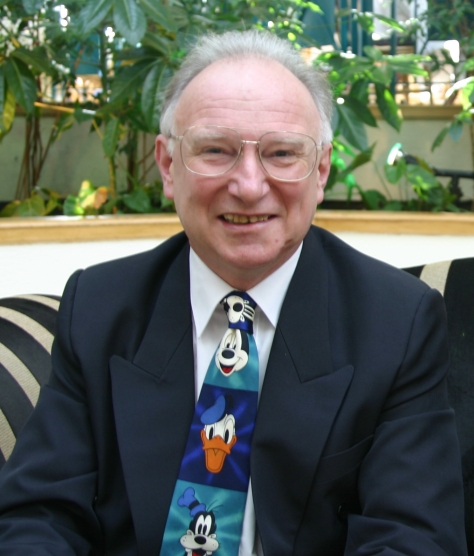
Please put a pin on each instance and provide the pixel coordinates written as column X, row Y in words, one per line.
column 134, row 46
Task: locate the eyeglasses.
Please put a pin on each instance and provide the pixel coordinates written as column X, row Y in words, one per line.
column 214, row 150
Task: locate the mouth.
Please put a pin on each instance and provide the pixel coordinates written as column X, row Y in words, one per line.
column 244, row 219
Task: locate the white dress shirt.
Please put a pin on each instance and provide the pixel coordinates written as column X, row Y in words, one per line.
column 209, row 325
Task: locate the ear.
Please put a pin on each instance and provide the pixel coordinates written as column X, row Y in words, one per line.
column 324, row 167
column 165, row 163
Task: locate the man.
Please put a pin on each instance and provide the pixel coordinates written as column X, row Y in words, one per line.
column 354, row 449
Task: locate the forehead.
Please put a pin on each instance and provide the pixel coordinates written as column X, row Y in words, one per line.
column 248, row 93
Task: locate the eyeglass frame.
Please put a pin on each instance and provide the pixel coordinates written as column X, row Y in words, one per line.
column 319, row 148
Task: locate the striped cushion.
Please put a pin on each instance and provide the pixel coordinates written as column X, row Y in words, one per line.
column 27, row 327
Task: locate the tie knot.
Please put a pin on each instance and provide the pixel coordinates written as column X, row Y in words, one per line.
column 240, row 309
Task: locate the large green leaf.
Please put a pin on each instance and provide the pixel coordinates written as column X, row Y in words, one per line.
column 439, row 138
column 37, row 59
column 361, row 109
column 394, row 172
column 406, row 66
column 157, row 42
column 22, row 83
column 9, row 109
column 360, row 90
column 137, row 201
column 111, row 137
column 373, row 52
column 455, row 130
column 128, row 80
column 32, row 6
column 129, row 20
column 467, row 95
column 361, row 159
column 381, row 74
column 152, row 94
column 160, row 14
column 33, row 206
column 351, row 127
column 373, row 199
column 422, row 178
column 366, row 21
column 390, row 22
column 92, row 14
column 388, row 107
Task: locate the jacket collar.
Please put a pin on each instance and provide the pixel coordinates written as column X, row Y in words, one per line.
column 301, row 395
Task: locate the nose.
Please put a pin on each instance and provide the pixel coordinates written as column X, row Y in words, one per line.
column 248, row 180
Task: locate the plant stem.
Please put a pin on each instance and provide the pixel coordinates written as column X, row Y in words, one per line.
column 112, row 177
column 379, row 174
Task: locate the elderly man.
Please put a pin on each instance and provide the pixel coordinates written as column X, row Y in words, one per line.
column 320, row 426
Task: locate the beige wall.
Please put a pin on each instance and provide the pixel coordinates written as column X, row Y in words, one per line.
column 416, row 137
column 76, row 156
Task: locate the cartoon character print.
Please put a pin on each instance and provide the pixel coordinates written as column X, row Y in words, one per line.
column 218, row 435
column 233, row 351
column 200, row 539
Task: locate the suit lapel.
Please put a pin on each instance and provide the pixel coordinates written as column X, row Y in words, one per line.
column 153, row 400
column 300, row 398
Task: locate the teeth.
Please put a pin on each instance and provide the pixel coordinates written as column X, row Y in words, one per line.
column 241, row 219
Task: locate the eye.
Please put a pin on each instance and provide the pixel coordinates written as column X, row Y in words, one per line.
column 207, row 525
column 209, row 430
column 213, row 149
column 229, row 429
column 230, row 340
column 281, row 153
column 200, row 525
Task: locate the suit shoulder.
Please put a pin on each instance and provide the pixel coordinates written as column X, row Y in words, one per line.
column 357, row 268
column 123, row 286
column 132, row 271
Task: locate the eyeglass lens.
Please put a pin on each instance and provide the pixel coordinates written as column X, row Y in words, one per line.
column 213, row 150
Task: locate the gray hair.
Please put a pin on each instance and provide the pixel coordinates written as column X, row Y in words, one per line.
column 238, row 44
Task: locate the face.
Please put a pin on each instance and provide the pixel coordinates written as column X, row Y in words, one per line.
column 244, row 224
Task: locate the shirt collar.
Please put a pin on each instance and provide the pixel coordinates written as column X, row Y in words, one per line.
column 207, row 290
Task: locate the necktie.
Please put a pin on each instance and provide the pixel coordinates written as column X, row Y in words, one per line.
column 207, row 508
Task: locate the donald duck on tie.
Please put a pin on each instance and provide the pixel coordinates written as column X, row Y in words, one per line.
column 207, row 508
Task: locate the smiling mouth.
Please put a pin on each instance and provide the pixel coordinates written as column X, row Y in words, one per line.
column 242, row 219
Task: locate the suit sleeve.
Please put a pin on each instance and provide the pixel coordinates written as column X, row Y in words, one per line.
column 47, row 487
column 410, row 482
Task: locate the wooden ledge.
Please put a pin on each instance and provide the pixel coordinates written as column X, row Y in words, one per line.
column 56, row 229
column 383, row 222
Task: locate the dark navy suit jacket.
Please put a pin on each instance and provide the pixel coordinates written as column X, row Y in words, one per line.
column 354, row 451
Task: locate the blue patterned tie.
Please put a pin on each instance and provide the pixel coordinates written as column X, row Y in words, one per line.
column 207, row 508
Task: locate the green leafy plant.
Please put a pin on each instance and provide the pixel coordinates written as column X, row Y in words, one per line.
column 420, row 189
column 42, row 202
column 135, row 46
column 454, row 19
column 92, row 200
column 358, row 82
